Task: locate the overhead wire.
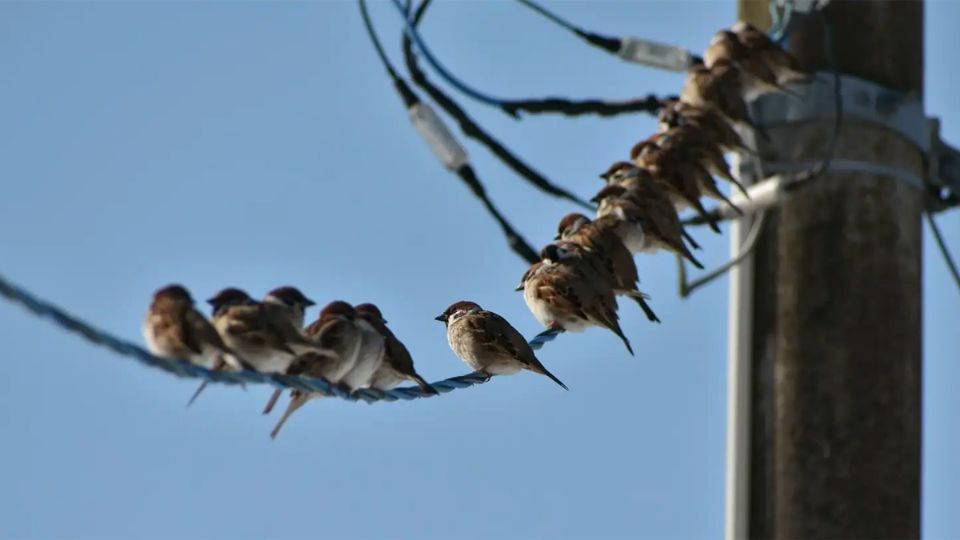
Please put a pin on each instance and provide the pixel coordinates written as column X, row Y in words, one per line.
column 652, row 54
column 942, row 246
column 473, row 130
column 650, row 104
column 185, row 369
column 463, row 170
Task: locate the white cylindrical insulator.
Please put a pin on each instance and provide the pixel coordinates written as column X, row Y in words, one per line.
column 654, row 54
column 441, row 142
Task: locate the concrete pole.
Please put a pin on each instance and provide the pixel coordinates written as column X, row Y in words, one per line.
column 836, row 423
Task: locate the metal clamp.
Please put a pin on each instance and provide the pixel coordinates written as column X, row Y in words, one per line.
column 862, row 100
column 867, row 101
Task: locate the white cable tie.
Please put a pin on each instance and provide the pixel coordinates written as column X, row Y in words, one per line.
column 651, row 53
column 438, row 137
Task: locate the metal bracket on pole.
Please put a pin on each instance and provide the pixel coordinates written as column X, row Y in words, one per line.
column 862, row 100
column 867, row 101
column 943, row 172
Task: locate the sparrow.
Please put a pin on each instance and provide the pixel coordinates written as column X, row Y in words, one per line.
column 758, row 77
column 692, row 143
column 675, row 113
column 565, row 294
column 288, row 302
column 488, row 343
column 315, row 365
column 173, row 328
column 680, row 177
column 600, row 240
column 645, row 208
column 370, row 357
column 335, row 331
column 397, row 363
column 783, row 64
column 259, row 332
column 269, row 343
column 719, row 87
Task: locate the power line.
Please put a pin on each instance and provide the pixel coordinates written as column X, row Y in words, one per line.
column 641, row 51
column 447, row 149
column 649, row 104
column 409, row 98
column 942, row 245
column 471, row 129
column 184, row 369
column 608, row 44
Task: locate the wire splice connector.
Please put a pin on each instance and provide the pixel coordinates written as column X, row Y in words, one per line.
column 651, row 53
column 437, row 136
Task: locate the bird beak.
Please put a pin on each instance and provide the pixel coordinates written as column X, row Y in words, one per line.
column 604, row 176
column 557, row 237
column 441, row 318
column 211, row 301
column 308, row 302
column 595, row 199
column 519, row 287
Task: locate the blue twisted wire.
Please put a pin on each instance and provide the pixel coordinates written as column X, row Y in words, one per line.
column 184, row 369
column 547, row 335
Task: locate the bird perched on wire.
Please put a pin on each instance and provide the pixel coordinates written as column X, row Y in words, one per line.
column 488, row 343
column 358, row 356
column 783, row 64
column 719, row 87
column 260, row 332
column 675, row 113
column 692, row 143
column 683, row 179
column 654, row 195
column 370, row 357
column 397, row 363
column 263, row 337
column 758, row 76
column 645, row 215
column 566, row 294
column 307, row 365
column 598, row 245
column 289, row 303
column 334, row 330
column 173, row 328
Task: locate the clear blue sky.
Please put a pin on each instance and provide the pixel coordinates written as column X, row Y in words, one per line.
column 259, row 144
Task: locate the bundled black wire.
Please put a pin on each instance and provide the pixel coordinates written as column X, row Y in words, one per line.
column 650, row 104
column 466, row 173
column 609, row 44
column 470, row 128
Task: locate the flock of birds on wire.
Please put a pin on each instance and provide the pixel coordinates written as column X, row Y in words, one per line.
column 574, row 286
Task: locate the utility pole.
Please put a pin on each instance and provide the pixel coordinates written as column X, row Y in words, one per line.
column 834, row 374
